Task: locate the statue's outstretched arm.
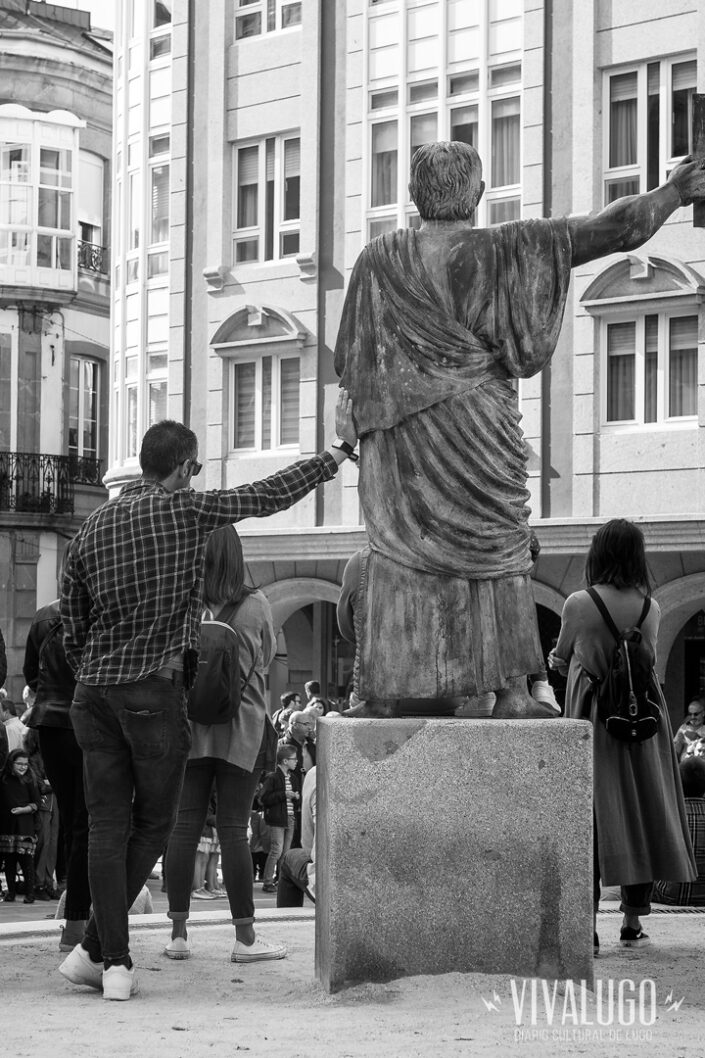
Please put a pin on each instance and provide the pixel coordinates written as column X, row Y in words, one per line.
column 629, row 222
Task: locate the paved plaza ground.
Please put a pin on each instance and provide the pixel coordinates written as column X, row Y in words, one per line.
column 210, row 1006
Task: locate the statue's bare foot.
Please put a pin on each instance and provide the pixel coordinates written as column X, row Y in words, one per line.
column 373, row 710
column 514, row 702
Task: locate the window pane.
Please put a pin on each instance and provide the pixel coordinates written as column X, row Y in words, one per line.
column 14, row 248
column 292, row 179
column 621, row 339
column 423, row 129
column 157, row 264
column 504, row 75
column 135, row 210
column 650, row 368
column 160, row 46
column 615, row 189
column 159, row 144
column 419, row 92
column 465, row 82
column 384, row 163
column 653, row 119
column 244, row 405
column 463, row 125
column 248, row 25
column 289, row 244
column 14, row 163
column 503, row 210
column 381, row 225
column 291, row 14
column 386, row 98
column 159, row 228
column 131, row 424
column 683, row 366
column 683, row 87
column 505, row 142
column 157, row 402
column 623, row 118
column 247, row 250
column 266, row 402
column 14, row 204
column 28, row 400
column 55, row 167
column 269, row 200
column 5, row 391
column 289, row 402
column 162, row 13
column 247, row 176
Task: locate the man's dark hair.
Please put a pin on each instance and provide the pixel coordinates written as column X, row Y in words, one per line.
column 285, row 752
column 312, row 688
column 692, row 772
column 445, row 180
column 165, row 446
column 617, row 556
column 287, row 698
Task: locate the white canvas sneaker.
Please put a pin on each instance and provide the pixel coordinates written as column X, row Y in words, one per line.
column 79, row 969
column 119, row 983
column 258, row 951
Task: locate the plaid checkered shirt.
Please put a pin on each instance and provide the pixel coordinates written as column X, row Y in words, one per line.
column 686, row 894
column 133, row 587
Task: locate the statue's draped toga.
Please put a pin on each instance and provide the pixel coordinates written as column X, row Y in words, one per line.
column 428, row 357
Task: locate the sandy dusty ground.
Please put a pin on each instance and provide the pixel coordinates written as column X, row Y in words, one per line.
column 209, row 1006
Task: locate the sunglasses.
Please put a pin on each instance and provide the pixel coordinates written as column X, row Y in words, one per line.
column 196, row 467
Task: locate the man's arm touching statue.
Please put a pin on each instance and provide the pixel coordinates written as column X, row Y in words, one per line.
column 629, row 222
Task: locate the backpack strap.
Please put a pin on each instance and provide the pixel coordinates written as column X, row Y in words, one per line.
column 227, row 616
column 599, row 603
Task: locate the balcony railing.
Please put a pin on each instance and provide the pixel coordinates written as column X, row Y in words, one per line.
column 93, row 258
column 33, row 482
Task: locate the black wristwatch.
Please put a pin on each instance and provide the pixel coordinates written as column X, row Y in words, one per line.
column 343, row 446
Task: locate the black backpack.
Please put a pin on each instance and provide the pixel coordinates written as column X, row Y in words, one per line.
column 626, row 702
column 217, row 691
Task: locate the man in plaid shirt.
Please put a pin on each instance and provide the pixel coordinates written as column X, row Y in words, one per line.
column 131, row 608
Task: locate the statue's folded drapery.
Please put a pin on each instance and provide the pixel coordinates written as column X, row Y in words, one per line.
column 427, row 360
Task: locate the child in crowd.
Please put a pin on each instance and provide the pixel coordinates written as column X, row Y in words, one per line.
column 278, row 798
column 19, row 801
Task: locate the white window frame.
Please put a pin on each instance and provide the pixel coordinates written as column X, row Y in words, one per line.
column 280, row 227
column 665, row 311
column 402, row 213
column 257, row 358
column 96, row 364
column 667, row 160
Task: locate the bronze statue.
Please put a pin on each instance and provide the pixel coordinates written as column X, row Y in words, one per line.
column 436, row 325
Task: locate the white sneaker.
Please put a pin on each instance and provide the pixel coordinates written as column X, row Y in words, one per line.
column 119, row 983
column 79, row 969
column 542, row 691
column 258, row 951
column 178, row 948
column 203, row 894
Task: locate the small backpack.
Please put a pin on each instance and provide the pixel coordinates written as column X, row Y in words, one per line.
column 217, row 691
column 626, row 703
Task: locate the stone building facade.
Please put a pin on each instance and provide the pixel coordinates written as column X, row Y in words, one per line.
column 291, row 128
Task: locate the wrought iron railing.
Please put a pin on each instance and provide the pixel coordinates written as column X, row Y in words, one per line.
column 33, row 482
column 93, row 258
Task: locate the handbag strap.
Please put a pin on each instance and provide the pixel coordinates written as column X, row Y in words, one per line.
column 607, row 617
column 227, row 616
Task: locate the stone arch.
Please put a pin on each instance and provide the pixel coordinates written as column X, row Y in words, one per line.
column 287, row 596
column 256, row 325
column 679, row 600
column 634, row 277
column 544, row 595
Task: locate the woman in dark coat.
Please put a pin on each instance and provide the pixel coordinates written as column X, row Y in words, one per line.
column 641, row 830
column 19, row 801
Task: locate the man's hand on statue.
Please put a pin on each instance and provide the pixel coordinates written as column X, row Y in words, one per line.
column 688, row 177
column 344, row 424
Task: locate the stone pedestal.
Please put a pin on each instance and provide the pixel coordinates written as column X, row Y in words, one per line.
column 453, row 845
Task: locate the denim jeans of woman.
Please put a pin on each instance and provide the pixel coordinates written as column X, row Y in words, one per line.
column 235, row 790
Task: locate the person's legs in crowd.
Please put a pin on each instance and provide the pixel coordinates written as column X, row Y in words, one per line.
column 135, row 741
column 181, row 855
column 63, row 763
column 276, row 849
column 636, row 901
column 235, row 792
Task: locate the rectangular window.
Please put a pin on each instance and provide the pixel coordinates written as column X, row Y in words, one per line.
column 652, row 369
column 83, row 408
column 5, row 392
column 384, row 163
column 649, row 123
column 159, row 205
column 266, row 403
column 505, row 142
column 255, row 17
column 267, row 199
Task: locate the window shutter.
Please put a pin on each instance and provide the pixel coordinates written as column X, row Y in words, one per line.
column 289, row 401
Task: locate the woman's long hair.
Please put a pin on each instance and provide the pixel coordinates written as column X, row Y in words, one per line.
column 12, row 757
column 224, row 569
column 617, row 556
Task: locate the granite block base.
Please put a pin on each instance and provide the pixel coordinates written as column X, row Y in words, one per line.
column 453, row 845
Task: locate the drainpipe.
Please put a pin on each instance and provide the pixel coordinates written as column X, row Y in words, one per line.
column 547, row 211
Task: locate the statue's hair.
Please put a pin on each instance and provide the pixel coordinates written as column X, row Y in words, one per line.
column 445, row 180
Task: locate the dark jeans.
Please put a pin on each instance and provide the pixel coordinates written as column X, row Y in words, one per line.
column 235, row 791
column 135, row 740
column 636, row 899
column 293, row 879
column 26, row 862
column 63, row 763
